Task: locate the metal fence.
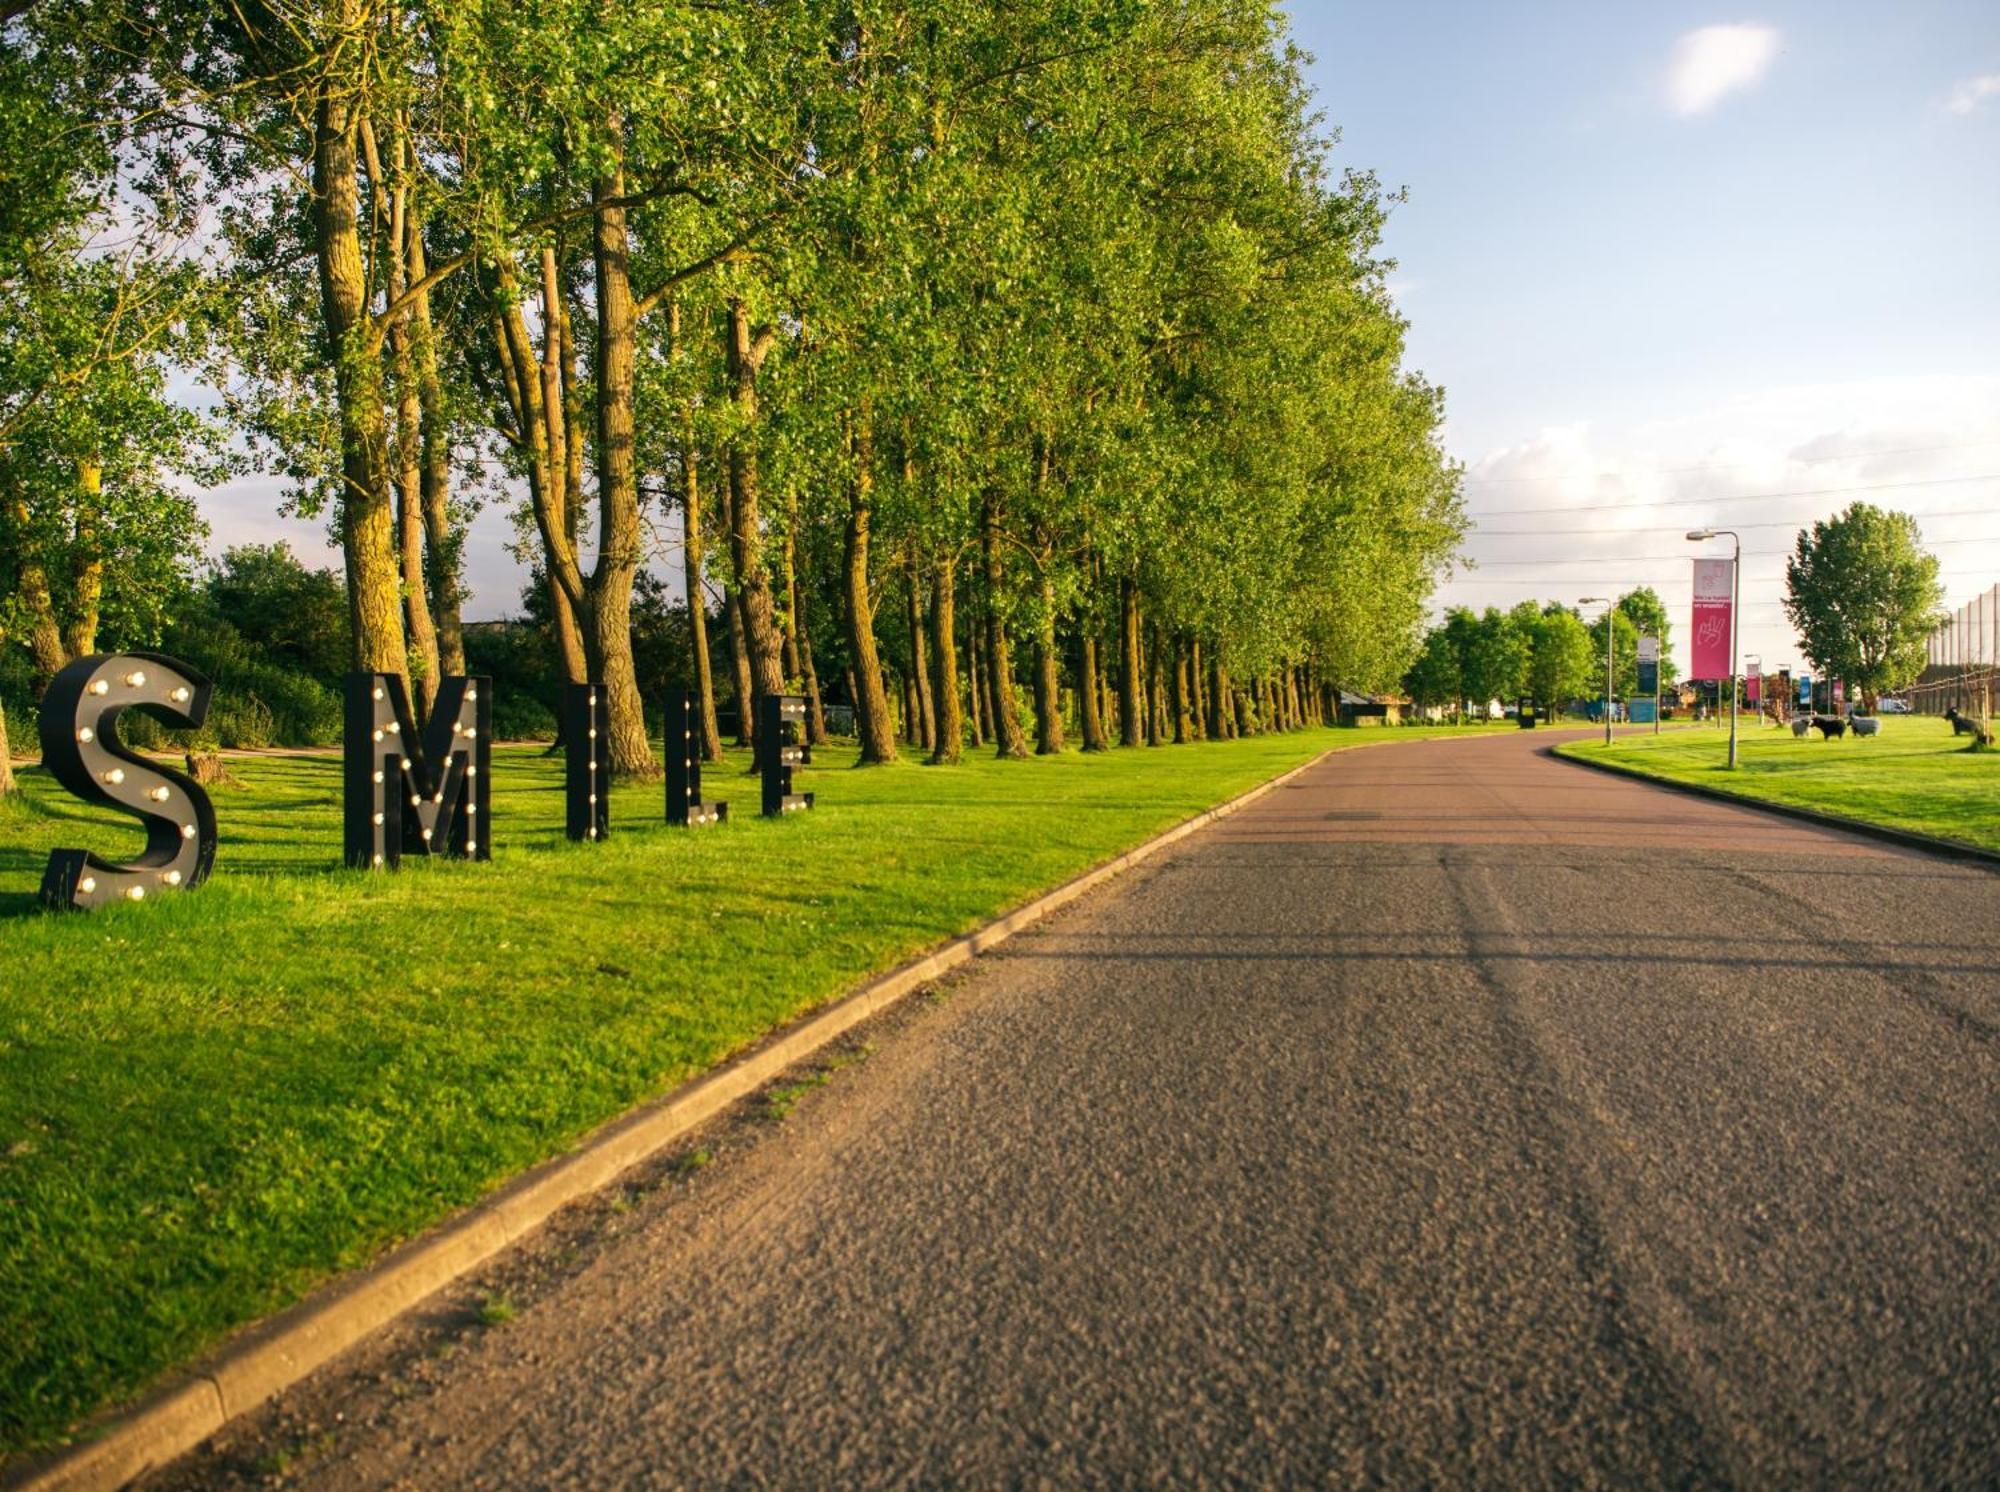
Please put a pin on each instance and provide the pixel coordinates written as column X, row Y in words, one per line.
column 1962, row 660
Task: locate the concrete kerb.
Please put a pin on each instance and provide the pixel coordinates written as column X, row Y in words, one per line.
column 270, row 1356
column 1908, row 839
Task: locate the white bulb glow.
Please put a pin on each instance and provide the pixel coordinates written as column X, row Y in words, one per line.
column 470, row 770
column 86, row 735
column 378, row 818
column 378, row 777
column 172, row 878
column 427, row 834
column 593, row 797
column 593, row 733
column 590, row 833
column 593, row 700
column 99, row 686
column 378, row 691
column 392, row 727
column 115, row 776
column 471, row 845
column 471, row 809
column 469, row 733
column 135, row 893
column 180, row 695
column 471, row 695
column 87, row 885
column 378, row 735
column 160, row 794
column 378, row 859
column 187, row 831
column 135, row 678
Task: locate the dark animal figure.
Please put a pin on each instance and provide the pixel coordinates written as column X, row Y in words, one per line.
column 1829, row 726
column 1963, row 726
column 1865, row 725
column 1801, row 725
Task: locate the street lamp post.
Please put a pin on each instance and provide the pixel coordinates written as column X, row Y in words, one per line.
column 1610, row 633
column 1696, row 536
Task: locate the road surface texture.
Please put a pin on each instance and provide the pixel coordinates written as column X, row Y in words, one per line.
column 1454, row 1116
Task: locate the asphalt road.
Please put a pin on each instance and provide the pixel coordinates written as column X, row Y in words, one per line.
column 1453, row 1116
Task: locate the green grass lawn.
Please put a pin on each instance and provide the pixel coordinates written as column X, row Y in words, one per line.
column 1915, row 775
column 211, row 1102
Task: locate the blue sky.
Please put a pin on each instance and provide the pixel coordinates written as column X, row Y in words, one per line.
column 1635, row 245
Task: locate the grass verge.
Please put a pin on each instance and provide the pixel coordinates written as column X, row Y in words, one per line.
column 1913, row 776
column 210, row 1103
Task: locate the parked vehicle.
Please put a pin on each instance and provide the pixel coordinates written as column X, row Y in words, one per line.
column 1887, row 706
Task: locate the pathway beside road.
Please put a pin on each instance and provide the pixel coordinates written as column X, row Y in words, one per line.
column 1453, row 1115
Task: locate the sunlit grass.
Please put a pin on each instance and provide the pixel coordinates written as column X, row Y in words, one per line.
column 210, row 1102
column 1915, row 775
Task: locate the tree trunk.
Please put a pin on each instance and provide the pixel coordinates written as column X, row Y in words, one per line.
column 815, row 706
column 1180, row 693
column 534, row 396
column 872, row 725
column 86, row 572
column 788, row 632
column 944, row 663
column 441, row 545
column 920, row 676
column 1197, row 692
column 1008, row 739
column 975, row 682
column 1048, row 663
column 366, row 518
column 1222, row 719
column 618, row 535
column 8, row 786
column 739, row 656
column 1088, row 693
column 1149, row 639
column 1128, row 664
column 913, row 714
column 391, row 195
column 745, row 351
column 691, row 557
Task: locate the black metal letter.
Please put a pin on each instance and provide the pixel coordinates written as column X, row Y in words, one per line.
column 586, row 725
column 684, row 805
column 780, row 724
column 81, row 749
column 430, row 796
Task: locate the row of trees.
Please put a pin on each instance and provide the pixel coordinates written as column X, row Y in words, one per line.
column 1541, row 652
column 1031, row 360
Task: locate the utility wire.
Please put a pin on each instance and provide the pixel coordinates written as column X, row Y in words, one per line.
column 1669, row 471
column 1741, row 497
column 1674, row 528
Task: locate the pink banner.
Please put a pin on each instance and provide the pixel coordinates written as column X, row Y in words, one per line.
column 1711, row 619
column 1752, row 690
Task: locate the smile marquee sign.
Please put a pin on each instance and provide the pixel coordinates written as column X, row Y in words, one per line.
column 405, row 791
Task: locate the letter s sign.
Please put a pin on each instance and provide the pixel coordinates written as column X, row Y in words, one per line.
column 81, row 749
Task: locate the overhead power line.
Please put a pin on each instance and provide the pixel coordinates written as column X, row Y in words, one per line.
column 1674, row 528
column 1741, row 497
column 1640, row 559
column 1671, row 471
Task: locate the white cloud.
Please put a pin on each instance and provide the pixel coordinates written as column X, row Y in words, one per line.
column 1717, row 60
column 1968, row 96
